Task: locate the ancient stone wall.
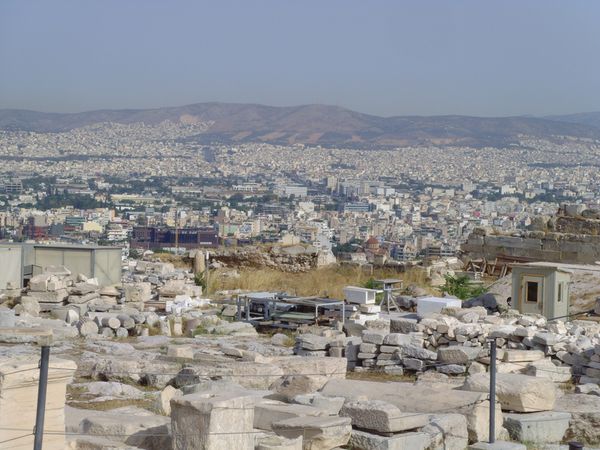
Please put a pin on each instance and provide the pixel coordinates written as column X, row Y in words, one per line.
column 535, row 246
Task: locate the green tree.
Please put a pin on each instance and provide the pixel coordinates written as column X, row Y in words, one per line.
column 461, row 287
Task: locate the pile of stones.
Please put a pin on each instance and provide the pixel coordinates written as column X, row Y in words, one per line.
column 109, row 311
column 456, row 341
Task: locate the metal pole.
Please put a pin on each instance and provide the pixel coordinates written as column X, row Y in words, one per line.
column 206, row 261
column 41, row 403
column 492, row 437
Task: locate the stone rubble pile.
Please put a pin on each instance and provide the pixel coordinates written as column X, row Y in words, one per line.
column 109, row 311
column 457, row 342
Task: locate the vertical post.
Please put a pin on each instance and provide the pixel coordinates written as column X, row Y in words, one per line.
column 492, row 437
column 206, row 256
column 41, row 402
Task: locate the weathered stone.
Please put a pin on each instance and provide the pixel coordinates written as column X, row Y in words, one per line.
column 57, row 296
column 278, row 443
column 369, row 348
column 412, row 351
column 121, row 332
column 516, row 392
column 267, row 413
column 458, row 354
column 452, row 369
column 546, row 338
column 138, row 292
column 28, row 305
column 538, row 427
column 447, row 432
column 318, row 433
column 280, row 339
column 425, row 398
column 547, row 369
column 373, row 337
column 312, row 342
column 212, row 422
column 87, row 327
column 522, row 355
column 398, row 339
column 588, row 388
column 180, row 351
column 585, row 416
column 290, row 386
column 405, row 441
column 381, row 417
column 403, row 325
column 135, row 426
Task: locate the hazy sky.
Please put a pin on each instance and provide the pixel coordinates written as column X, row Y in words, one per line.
column 393, row 57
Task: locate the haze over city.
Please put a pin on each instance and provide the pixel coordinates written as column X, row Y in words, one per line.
column 385, row 58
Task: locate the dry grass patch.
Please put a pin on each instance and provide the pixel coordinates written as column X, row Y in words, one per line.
column 325, row 282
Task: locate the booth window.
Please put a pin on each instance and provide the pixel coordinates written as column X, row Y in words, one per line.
column 532, row 292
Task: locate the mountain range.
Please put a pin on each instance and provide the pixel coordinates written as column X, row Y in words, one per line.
column 320, row 125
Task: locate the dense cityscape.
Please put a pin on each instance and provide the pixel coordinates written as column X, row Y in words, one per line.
column 109, row 183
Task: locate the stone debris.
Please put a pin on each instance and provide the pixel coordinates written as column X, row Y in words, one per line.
column 516, row 392
column 204, row 380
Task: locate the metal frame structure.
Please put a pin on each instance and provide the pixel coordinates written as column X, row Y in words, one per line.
column 276, row 310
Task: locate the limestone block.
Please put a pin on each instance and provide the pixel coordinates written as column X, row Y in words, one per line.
column 381, row 417
column 318, row 433
column 538, row 428
column 412, row 351
column 416, row 398
column 135, row 426
column 28, row 305
column 547, row 369
column 585, row 416
column 180, row 351
column 57, row 296
column 404, row 325
column 138, row 292
column 367, row 441
column 516, row 392
column 312, row 342
column 447, row 432
column 398, row 339
column 522, row 355
column 267, row 413
column 39, row 283
column 458, row 354
column 213, row 422
column 278, row 443
column 373, row 337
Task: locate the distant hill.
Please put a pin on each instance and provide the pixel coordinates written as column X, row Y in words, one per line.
column 318, row 125
column 589, row 118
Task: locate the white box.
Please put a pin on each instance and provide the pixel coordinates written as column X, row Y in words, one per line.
column 427, row 305
column 359, row 295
